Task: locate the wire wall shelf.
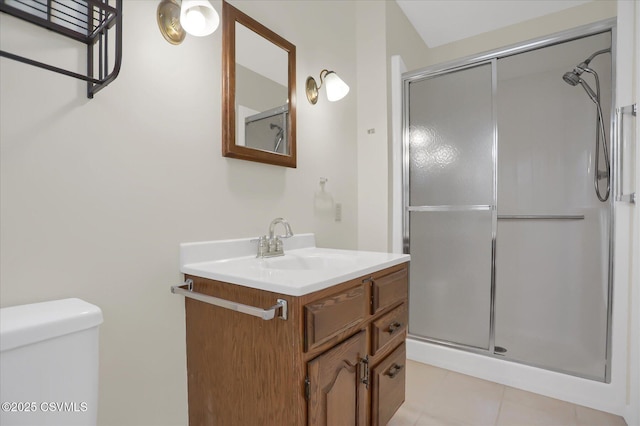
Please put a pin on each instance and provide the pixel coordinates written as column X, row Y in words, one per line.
column 95, row 23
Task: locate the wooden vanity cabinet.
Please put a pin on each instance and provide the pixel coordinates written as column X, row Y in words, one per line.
column 338, row 359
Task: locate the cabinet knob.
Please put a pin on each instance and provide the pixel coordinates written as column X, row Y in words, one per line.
column 394, row 370
column 393, row 327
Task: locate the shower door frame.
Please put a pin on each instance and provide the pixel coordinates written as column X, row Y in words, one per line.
column 407, row 209
column 491, row 57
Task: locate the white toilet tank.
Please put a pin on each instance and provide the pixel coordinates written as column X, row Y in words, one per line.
column 49, row 363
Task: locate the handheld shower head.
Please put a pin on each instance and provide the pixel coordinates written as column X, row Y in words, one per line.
column 571, row 78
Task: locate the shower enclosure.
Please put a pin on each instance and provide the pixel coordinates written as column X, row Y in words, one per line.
column 509, row 239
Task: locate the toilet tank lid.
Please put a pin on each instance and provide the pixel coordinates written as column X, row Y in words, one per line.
column 35, row 322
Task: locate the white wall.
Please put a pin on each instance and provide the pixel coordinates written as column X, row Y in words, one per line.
column 96, row 195
column 373, row 164
column 382, row 31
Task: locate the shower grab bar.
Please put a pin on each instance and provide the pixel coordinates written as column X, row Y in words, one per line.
column 622, row 145
column 540, row 217
column 265, row 314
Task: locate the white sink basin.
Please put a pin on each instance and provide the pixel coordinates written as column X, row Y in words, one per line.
column 303, row 269
column 309, row 261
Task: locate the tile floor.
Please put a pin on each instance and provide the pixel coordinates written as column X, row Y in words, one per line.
column 440, row 397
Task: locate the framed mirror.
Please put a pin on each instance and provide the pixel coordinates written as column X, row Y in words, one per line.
column 258, row 91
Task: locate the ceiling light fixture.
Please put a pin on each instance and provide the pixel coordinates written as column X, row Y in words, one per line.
column 336, row 88
column 176, row 19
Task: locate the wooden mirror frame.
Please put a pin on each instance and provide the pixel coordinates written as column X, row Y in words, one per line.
column 231, row 15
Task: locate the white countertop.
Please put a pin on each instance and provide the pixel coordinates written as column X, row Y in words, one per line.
column 303, row 269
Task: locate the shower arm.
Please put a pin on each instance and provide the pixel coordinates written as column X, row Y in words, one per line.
column 599, row 52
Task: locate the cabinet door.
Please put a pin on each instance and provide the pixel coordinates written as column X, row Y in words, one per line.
column 337, row 396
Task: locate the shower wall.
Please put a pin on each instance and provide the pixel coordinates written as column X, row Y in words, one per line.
column 509, row 243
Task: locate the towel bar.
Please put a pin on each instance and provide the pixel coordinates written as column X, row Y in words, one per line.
column 540, row 217
column 265, row 314
column 626, row 146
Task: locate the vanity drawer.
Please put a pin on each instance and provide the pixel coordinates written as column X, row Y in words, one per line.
column 387, row 327
column 331, row 315
column 388, row 386
column 389, row 289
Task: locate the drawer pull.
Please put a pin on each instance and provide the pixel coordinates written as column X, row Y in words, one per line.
column 364, row 371
column 394, row 326
column 394, row 370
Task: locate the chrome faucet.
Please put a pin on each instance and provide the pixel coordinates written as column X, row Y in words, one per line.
column 271, row 245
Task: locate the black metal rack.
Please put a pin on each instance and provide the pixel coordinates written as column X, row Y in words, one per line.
column 91, row 22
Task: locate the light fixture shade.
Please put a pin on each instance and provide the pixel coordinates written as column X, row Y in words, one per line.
column 198, row 17
column 336, row 88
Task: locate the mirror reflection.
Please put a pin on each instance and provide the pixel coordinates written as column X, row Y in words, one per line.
column 258, row 88
column 262, row 95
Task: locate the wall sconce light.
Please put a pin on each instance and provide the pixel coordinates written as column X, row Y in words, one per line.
column 176, row 19
column 336, row 88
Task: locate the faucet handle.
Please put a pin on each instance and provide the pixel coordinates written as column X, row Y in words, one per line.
column 263, row 245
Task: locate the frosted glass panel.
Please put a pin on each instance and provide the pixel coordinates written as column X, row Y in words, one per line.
column 450, row 281
column 450, row 138
column 551, row 303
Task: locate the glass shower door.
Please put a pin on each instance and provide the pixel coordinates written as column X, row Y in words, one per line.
column 450, row 205
column 552, row 249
